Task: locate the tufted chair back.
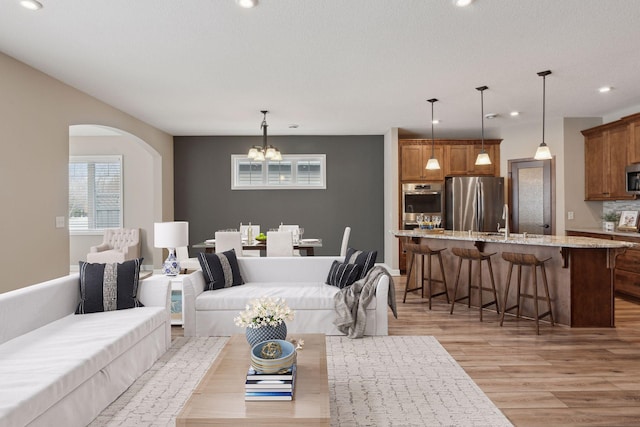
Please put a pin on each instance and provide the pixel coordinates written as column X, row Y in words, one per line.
column 118, row 238
column 118, row 245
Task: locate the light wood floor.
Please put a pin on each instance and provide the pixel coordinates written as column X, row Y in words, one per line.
column 564, row 377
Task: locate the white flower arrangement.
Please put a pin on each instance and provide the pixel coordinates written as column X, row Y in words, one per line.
column 264, row 312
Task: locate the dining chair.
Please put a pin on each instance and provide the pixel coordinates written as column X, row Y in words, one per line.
column 186, row 263
column 345, row 241
column 279, row 243
column 295, row 234
column 227, row 240
column 255, row 230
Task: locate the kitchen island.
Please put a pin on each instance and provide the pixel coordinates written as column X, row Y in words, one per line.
column 580, row 272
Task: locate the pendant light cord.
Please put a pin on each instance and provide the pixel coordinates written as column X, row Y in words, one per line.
column 264, row 130
column 544, row 102
column 482, row 89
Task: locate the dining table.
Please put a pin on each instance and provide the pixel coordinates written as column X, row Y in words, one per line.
column 307, row 246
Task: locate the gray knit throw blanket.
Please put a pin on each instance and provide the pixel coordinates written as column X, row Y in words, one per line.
column 351, row 301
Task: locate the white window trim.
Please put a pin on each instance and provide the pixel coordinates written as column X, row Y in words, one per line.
column 105, row 158
column 294, row 159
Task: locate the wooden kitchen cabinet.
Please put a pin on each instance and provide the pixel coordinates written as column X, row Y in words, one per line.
column 633, row 148
column 626, row 275
column 460, row 159
column 457, row 158
column 605, row 149
column 413, row 160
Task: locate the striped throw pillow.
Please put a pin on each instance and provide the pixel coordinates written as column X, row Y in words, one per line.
column 220, row 269
column 365, row 259
column 342, row 275
column 107, row 287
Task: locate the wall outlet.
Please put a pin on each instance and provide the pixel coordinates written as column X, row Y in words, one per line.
column 60, row 222
column 570, row 215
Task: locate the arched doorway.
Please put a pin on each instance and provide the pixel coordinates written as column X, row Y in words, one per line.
column 141, row 175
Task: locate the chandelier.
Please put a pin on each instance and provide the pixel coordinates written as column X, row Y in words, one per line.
column 264, row 152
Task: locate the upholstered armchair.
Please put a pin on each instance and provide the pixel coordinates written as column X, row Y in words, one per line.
column 118, row 245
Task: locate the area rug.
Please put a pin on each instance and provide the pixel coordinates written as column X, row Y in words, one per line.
column 374, row 381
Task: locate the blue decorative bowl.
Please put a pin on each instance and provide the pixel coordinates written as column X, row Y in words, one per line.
column 273, row 356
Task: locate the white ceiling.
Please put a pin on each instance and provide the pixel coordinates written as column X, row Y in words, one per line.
column 207, row 67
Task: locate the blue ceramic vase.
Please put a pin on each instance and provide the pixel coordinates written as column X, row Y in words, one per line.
column 266, row 333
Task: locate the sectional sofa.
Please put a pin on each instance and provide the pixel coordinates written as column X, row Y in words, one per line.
column 299, row 280
column 58, row 368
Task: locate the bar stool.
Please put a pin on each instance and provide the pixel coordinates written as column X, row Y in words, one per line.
column 416, row 250
column 474, row 255
column 533, row 262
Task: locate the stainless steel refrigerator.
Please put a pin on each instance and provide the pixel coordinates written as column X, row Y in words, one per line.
column 474, row 203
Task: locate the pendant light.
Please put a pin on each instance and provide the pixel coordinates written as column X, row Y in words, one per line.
column 432, row 163
column 264, row 152
column 483, row 157
column 543, row 152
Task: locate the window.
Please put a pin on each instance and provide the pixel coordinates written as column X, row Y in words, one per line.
column 292, row 172
column 95, row 193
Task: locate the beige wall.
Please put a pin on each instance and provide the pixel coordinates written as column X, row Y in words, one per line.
column 138, row 173
column 586, row 214
column 35, row 114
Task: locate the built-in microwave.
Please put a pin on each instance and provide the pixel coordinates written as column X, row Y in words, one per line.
column 633, row 178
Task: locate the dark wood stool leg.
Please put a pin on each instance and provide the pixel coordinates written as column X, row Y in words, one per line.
column 429, row 279
column 480, row 286
column 519, row 290
column 406, row 288
column 506, row 293
column 546, row 291
column 470, row 266
column 444, row 279
column 535, row 298
column 455, row 287
column 493, row 286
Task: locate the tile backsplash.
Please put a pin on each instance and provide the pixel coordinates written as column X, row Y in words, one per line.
column 621, row 205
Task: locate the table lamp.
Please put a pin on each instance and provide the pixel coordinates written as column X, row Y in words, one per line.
column 171, row 235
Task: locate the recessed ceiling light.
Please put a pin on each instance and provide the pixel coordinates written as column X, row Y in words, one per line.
column 604, row 89
column 514, row 113
column 247, row 4
column 293, row 126
column 490, row 116
column 462, row 3
column 31, row 4
column 435, row 121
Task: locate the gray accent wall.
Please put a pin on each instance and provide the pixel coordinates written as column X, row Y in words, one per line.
column 354, row 195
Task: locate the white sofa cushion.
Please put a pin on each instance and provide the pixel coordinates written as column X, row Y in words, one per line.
column 298, row 296
column 40, row 367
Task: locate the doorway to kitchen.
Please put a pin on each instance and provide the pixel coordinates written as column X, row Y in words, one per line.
column 531, row 195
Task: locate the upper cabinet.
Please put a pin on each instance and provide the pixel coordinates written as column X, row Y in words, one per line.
column 413, row 160
column 456, row 158
column 608, row 149
column 461, row 158
column 633, row 151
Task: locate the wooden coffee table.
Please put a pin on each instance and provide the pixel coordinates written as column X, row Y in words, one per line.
column 219, row 398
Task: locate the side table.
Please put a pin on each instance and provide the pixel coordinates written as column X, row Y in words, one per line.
column 177, row 300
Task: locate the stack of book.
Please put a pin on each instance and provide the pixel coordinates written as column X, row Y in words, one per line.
column 278, row 386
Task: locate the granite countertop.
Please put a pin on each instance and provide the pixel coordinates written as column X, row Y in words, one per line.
column 597, row 230
column 518, row 239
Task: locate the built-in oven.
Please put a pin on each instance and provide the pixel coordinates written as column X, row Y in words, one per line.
column 421, row 199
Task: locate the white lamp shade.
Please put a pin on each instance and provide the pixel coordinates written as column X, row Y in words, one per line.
column 170, row 234
column 433, row 164
column 270, row 154
column 253, row 153
column 543, row 152
column 483, row 159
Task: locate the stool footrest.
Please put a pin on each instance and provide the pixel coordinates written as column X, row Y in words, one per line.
column 490, row 303
column 544, row 314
